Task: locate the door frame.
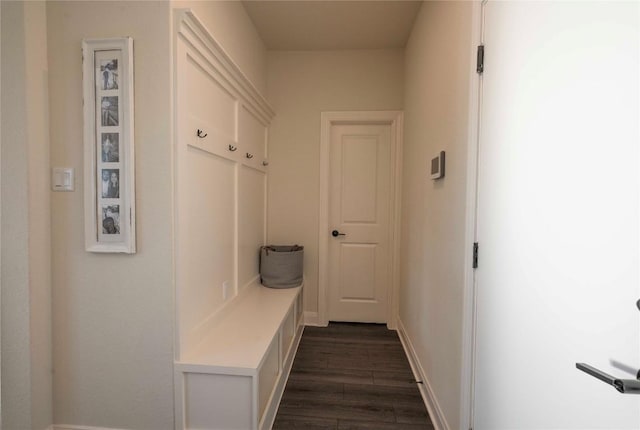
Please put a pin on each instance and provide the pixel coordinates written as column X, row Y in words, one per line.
column 328, row 119
column 467, row 375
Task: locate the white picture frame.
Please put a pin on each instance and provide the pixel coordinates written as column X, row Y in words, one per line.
column 109, row 156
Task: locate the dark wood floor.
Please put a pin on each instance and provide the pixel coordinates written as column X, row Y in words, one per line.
column 351, row 376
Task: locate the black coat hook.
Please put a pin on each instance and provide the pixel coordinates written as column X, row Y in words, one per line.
column 232, row 148
column 202, row 134
column 249, row 155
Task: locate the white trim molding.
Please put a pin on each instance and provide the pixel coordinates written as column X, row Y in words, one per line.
column 74, row 427
column 190, row 28
column 328, row 119
column 311, row 318
column 428, row 396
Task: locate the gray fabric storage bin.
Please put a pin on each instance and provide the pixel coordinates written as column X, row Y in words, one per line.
column 281, row 266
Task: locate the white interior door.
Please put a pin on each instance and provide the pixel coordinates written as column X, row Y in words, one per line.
column 360, row 209
column 558, row 216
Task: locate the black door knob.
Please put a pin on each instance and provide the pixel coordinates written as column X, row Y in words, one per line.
column 336, row 233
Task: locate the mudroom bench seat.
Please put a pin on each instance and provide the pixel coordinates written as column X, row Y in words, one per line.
column 235, row 376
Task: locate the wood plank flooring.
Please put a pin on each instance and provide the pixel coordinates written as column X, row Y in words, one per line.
column 351, row 376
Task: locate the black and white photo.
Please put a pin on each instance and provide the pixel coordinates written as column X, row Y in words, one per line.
column 109, row 110
column 110, row 147
column 109, row 74
column 111, row 219
column 110, row 183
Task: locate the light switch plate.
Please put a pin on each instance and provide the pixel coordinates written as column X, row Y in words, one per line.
column 63, row 179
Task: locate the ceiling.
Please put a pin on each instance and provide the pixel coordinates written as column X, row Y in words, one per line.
column 333, row 25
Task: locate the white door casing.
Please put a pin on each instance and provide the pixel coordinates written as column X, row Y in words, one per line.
column 558, row 215
column 360, row 156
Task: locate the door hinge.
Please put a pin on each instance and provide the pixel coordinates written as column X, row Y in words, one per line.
column 480, row 60
column 475, row 255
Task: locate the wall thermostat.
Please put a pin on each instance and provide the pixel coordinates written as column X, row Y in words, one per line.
column 437, row 166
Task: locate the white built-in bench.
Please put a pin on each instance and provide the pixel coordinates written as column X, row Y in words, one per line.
column 235, row 376
column 235, row 340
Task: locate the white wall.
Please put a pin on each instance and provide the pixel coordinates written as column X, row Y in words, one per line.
column 220, row 195
column 433, row 213
column 0, row 222
column 300, row 85
column 113, row 314
column 26, row 264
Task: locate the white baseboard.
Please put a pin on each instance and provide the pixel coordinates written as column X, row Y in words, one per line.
column 311, row 318
column 429, row 398
column 73, row 427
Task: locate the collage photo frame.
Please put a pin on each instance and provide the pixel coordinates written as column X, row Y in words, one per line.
column 109, row 145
